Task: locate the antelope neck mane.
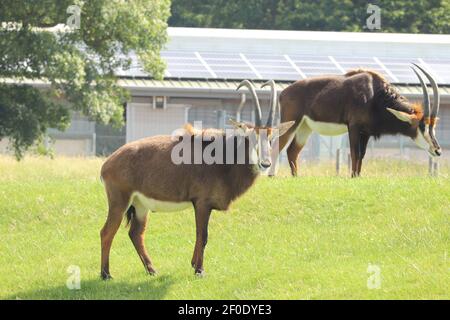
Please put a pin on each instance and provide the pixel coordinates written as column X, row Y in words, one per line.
column 210, row 132
column 388, row 96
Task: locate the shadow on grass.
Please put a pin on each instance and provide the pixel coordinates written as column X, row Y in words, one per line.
column 154, row 288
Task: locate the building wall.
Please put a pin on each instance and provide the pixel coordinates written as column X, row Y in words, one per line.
column 4, row 146
column 319, row 147
column 77, row 140
column 144, row 121
column 66, row 147
column 210, row 111
column 108, row 139
column 73, row 147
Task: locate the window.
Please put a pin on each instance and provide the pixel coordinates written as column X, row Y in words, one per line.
column 159, row 102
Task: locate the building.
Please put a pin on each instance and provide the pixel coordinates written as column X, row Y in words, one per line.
column 205, row 66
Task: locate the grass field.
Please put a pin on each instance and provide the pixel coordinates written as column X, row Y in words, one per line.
column 307, row 238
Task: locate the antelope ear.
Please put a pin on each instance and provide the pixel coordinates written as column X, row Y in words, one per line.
column 403, row 116
column 238, row 125
column 282, row 128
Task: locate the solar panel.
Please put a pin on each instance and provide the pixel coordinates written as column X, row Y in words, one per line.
column 281, row 76
column 365, row 63
column 219, row 55
column 177, row 54
column 265, row 57
column 255, row 66
column 314, row 72
column 228, row 66
column 440, row 68
column 184, row 65
column 234, row 75
column 315, row 65
column 400, row 69
column 270, row 69
column 348, row 63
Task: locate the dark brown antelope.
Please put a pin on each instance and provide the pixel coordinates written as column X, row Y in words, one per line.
column 361, row 103
column 142, row 176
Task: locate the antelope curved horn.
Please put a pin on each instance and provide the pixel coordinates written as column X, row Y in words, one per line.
column 436, row 96
column 273, row 102
column 426, row 97
column 251, row 88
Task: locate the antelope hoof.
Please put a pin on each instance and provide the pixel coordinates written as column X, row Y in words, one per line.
column 200, row 273
column 106, row 276
column 151, row 271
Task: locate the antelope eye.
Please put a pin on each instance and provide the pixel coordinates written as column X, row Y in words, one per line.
column 422, row 126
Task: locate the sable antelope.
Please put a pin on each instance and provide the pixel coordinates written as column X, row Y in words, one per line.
column 362, row 103
column 141, row 177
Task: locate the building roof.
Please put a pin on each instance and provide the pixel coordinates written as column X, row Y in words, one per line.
column 278, row 35
column 224, row 54
column 213, row 59
column 216, row 89
column 226, row 89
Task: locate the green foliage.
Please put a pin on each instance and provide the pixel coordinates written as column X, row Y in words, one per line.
column 421, row 16
column 26, row 113
column 78, row 63
column 306, row 238
column 44, row 148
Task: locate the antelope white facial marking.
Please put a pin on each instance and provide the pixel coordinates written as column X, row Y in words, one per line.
column 421, row 140
column 326, row 128
column 264, row 149
column 425, row 141
column 254, row 155
column 157, row 205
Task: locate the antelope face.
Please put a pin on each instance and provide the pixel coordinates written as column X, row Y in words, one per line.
column 263, row 147
column 426, row 139
column 262, row 140
column 265, row 135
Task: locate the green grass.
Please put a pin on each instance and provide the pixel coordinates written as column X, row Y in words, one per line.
column 307, row 238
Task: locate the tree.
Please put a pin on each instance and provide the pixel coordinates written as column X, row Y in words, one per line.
column 78, row 62
column 419, row 16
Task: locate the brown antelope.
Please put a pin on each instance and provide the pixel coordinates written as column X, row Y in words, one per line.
column 362, row 103
column 141, row 176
